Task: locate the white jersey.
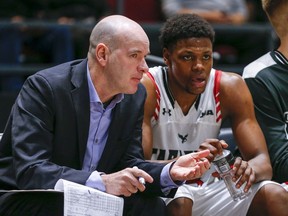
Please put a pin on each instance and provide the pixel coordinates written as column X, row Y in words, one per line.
column 176, row 134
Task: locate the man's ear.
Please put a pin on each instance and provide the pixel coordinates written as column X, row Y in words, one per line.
column 101, row 53
column 166, row 56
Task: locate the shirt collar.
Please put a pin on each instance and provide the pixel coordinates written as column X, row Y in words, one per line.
column 281, row 57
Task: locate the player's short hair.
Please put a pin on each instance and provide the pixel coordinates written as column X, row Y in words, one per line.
column 183, row 26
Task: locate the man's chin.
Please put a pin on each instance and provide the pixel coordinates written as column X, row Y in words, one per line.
column 132, row 90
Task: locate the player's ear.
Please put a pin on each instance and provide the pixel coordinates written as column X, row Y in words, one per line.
column 166, row 56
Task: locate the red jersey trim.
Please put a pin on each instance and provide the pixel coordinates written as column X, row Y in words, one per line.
column 158, row 96
column 216, row 92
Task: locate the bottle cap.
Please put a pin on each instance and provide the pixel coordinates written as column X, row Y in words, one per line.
column 227, row 155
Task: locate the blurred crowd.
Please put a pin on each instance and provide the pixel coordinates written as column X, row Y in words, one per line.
column 54, row 44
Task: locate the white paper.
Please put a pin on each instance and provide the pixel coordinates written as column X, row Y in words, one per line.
column 80, row 200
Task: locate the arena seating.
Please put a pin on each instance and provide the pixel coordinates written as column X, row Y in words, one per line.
column 148, row 11
column 252, row 40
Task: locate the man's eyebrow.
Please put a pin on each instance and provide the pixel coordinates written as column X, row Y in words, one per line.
column 138, row 51
column 133, row 50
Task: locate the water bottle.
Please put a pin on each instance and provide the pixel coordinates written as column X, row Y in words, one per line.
column 223, row 165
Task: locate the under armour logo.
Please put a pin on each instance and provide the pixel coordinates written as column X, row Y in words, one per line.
column 183, row 138
column 166, row 111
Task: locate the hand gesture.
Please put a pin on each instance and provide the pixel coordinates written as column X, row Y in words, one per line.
column 190, row 166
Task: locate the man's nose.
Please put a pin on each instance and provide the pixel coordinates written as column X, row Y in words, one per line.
column 143, row 67
column 198, row 64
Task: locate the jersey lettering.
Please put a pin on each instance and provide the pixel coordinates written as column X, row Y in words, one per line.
column 207, row 112
column 171, row 153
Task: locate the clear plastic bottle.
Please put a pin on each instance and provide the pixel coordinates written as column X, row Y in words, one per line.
column 223, row 165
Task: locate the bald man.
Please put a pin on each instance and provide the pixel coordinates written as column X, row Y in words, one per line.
column 81, row 121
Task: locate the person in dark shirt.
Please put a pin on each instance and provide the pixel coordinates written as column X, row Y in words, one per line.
column 267, row 79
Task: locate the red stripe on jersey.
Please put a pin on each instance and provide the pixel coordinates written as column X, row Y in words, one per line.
column 216, row 92
column 158, row 96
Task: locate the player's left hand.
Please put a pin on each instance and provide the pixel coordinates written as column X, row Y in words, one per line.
column 244, row 174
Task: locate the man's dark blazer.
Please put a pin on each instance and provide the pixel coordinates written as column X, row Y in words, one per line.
column 46, row 135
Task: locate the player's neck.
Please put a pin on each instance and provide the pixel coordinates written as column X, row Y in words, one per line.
column 283, row 48
column 185, row 100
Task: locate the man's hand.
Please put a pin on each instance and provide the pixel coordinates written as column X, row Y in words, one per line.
column 190, row 166
column 215, row 147
column 243, row 173
column 125, row 182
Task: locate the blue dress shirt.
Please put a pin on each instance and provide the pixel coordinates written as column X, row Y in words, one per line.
column 100, row 119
